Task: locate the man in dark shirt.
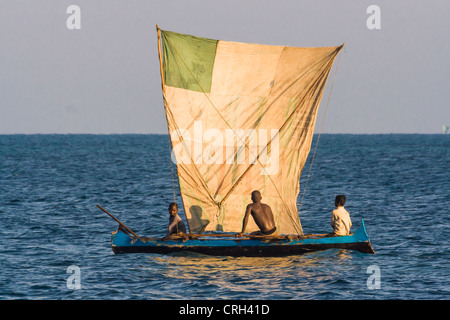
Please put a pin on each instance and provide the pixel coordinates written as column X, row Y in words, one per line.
column 176, row 225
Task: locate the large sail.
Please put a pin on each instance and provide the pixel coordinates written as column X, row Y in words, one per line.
column 241, row 118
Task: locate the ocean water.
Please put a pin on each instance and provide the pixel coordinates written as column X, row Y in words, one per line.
column 50, row 185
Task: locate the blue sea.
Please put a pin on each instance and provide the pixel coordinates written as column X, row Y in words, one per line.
column 55, row 244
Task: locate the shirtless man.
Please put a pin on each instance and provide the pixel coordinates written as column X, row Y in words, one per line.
column 262, row 214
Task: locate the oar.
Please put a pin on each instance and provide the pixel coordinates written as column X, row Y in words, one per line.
column 120, row 223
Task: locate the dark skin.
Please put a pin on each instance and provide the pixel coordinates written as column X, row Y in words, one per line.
column 173, row 210
column 261, row 213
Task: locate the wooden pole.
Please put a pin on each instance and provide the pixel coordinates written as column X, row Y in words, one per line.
column 160, row 59
column 163, row 85
column 120, row 223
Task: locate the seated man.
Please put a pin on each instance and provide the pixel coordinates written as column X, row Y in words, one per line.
column 340, row 218
column 176, row 225
column 262, row 214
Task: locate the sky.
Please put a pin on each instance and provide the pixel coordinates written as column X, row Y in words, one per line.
column 104, row 78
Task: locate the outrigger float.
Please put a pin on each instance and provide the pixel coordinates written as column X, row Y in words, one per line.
column 240, row 117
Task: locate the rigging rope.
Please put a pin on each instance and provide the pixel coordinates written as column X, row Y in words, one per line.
column 163, row 91
column 171, row 168
column 320, row 131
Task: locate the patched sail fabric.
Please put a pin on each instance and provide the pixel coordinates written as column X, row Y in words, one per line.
column 241, row 118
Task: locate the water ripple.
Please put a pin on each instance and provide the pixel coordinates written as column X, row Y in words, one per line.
column 50, row 184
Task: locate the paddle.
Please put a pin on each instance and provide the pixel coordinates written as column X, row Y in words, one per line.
column 120, row 223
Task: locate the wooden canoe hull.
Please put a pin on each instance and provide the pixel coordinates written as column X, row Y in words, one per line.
column 264, row 247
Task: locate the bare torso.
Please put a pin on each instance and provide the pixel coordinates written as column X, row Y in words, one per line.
column 263, row 216
column 261, row 213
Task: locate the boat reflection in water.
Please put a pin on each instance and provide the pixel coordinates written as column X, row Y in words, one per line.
column 290, row 277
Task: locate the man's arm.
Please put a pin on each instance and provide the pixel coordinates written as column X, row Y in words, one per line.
column 248, row 210
column 333, row 220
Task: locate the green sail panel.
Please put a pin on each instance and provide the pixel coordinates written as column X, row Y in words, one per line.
column 188, row 61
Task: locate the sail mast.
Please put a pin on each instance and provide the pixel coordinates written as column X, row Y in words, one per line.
column 160, row 59
column 165, row 112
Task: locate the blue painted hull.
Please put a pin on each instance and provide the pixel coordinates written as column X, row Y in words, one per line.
column 281, row 246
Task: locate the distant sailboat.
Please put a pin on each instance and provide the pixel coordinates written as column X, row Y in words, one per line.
column 241, row 117
column 444, row 129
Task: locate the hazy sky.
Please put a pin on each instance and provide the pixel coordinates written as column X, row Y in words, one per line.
column 105, row 78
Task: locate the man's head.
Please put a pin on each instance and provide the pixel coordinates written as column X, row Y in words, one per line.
column 256, row 196
column 339, row 200
column 173, row 209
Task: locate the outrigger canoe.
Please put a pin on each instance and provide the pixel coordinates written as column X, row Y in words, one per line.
column 240, row 117
column 249, row 246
